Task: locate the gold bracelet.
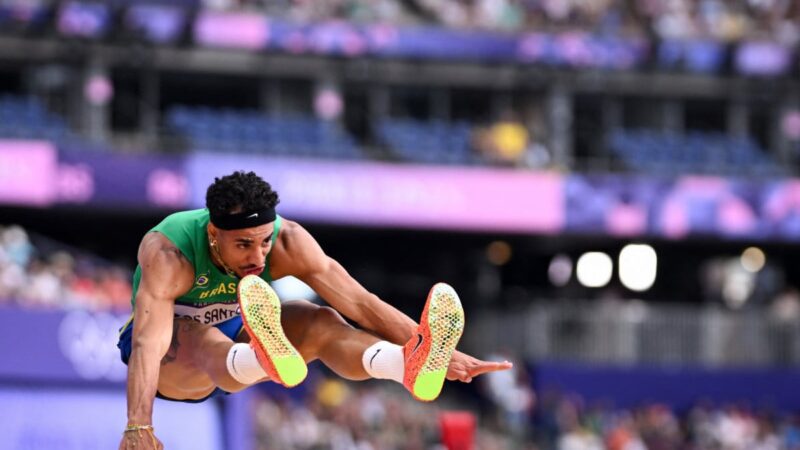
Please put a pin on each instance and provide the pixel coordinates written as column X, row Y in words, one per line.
column 138, row 429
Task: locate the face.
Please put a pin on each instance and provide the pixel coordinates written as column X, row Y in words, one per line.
column 244, row 251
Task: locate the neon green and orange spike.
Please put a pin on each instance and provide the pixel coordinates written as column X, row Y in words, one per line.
column 261, row 314
column 428, row 352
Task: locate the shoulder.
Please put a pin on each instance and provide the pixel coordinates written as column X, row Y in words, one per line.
column 189, row 214
column 157, row 246
column 297, row 251
column 163, row 263
column 292, row 235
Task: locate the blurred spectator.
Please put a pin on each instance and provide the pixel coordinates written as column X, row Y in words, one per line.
column 784, row 313
column 505, row 142
column 727, row 21
column 16, row 246
column 362, row 11
column 61, row 279
column 511, row 392
column 343, row 415
column 655, row 427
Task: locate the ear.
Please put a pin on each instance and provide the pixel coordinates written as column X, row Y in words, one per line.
column 212, row 230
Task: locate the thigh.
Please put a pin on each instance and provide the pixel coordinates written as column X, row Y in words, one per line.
column 181, row 375
column 297, row 320
column 309, row 327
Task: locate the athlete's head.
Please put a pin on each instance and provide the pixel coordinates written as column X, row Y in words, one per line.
column 242, row 210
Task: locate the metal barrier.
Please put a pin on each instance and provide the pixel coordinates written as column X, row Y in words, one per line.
column 637, row 333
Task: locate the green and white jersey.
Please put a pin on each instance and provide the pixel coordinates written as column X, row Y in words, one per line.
column 212, row 299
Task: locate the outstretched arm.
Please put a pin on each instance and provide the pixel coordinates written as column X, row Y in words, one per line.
column 165, row 273
column 306, row 260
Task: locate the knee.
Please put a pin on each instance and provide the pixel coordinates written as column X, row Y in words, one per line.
column 325, row 328
column 326, row 316
column 314, row 318
column 309, row 327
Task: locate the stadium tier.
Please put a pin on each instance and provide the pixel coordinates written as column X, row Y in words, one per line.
column 233, row 131
column 27, row 118
column 697, row 152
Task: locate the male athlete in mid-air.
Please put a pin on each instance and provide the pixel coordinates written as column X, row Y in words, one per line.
column 205, row 321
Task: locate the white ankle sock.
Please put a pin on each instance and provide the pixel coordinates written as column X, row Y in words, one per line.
column 384, row 360
column 243, row 364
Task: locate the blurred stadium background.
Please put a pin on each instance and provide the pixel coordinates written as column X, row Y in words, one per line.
column 610, row 185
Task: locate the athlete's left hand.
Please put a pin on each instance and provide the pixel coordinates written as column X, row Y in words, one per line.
column 464, row 367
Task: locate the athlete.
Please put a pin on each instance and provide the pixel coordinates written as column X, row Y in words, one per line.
column 206, row 322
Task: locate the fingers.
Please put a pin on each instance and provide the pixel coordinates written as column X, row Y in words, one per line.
column 466, row 373
column 457, row 374
column 463, row 376
column 487, row 367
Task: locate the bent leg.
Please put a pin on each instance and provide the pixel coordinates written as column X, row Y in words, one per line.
column 319, row 332
column 196, row 362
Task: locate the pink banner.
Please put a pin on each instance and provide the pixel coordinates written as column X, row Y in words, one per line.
column 401, row 195
column 27, row 172
column 232, row 30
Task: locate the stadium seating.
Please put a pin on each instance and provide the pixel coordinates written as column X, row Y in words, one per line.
column 235, row 131
column 673, row 153
column 23, row 117
column 432, row 142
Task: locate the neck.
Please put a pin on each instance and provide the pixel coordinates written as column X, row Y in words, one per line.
column 216, row 258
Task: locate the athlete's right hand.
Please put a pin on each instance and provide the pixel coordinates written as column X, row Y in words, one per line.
column 140, row 440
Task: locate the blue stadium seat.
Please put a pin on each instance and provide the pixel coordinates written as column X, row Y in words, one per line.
column 27, row 118
column 431, row 142
column 254, row 132
column 674, row 153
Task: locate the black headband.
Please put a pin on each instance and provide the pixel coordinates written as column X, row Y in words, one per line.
column 246, row 219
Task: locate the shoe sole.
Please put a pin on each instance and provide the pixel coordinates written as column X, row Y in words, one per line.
column 261, row 316
column 445, row 322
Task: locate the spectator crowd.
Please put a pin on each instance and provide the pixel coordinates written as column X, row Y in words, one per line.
column 726, row 21
column 337, row 415
column 58, row 278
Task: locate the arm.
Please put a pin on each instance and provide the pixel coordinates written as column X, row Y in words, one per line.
column 305, row 259
column 166, row 275
column 300, row 255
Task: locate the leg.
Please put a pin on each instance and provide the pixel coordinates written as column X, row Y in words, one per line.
column 319, row 332
column 197, row 359
column 304, row 332
column 196, row 362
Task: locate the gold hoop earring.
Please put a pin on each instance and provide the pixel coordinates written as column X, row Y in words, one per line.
column 216, row 253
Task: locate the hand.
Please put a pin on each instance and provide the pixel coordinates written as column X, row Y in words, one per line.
column 464, row 367
column 140, row 440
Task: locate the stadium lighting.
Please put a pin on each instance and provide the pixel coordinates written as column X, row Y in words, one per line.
column 638, row 265
column 560, row 270
column 753, row 259
column 738, row 285
column 594, row 269
column 498, row 253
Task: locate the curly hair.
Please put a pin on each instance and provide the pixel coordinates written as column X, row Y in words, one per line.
column 240, row 191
